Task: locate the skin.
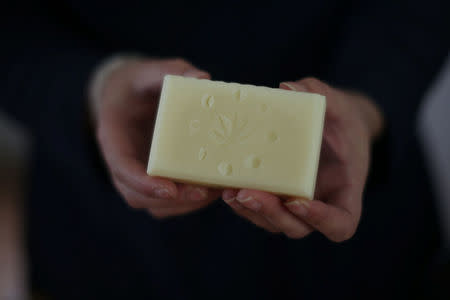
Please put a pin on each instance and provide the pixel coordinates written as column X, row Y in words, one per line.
column 123, row 120
column 124, row 116
column 351, row 123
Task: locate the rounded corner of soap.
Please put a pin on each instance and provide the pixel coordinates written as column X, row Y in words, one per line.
column 169, row 78
column 154, row 170
column 306, row 192
column 322, row 99
column 150, row 169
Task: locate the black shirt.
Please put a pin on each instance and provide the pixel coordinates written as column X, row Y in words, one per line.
column 86, row 243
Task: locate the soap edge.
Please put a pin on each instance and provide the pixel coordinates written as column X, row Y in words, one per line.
column 152, row 169
column 162, row 174
column 318, row 145
column 155, row 135
column 277, row 90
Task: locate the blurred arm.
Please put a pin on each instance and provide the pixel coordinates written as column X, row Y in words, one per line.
column 391, row 51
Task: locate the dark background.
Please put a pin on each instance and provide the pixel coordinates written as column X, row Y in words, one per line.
column 84, row 242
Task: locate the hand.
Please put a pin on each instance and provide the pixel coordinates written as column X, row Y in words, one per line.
column 124, row 113
column 351, row 122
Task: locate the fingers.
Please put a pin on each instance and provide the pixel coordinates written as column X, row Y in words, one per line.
column 189, row 199
column 179, row 209
column 331, row 176
column 124, row 132
column 132, row 173
column 313, row 85
column 270, row 207
column 138, row 188
column 151, row 75
column 195, row 73
column 342, row 168
column 123, row 162
column 335, row 110
column 337, row 223
column 143, row 191
column 192, row 193
column 185, row 202
column 229, row 196
column 138, row 200
column 308, row 84
column 253, row 217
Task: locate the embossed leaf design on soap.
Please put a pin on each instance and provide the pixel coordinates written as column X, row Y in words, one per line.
column 229, row 130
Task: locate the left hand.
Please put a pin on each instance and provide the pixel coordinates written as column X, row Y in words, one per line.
column 123, row 114
column 352, row 121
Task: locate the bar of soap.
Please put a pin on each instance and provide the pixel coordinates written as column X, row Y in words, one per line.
column 234, row 135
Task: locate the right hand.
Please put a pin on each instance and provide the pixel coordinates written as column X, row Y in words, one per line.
column 123, row 115
column 352, row 121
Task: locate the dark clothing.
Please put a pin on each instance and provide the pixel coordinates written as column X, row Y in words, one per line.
column 85, row 243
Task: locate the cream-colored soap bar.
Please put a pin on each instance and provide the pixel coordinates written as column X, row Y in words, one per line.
column 234, row 135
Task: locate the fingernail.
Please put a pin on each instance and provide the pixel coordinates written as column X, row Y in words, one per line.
column 228, row 194
column 242, row 198
column 197, row 194
column 196, row 73
column 292, row 203
column 301, row 206
column 162, row 193
column 229, row 200
column 295, row 86
column 249, row 202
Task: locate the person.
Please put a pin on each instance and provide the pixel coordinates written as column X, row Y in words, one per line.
column 85, row 77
